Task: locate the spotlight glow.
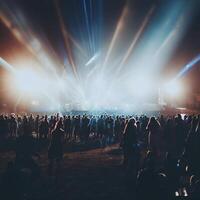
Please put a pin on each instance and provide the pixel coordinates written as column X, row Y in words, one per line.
column 26, row 80
column 173, row 89
column 99, row 72
column 188, row 66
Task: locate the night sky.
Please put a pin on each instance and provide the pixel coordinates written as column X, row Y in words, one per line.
column 103, row 16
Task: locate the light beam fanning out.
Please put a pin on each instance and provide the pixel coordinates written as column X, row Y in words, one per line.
column 137, row 36
column 118, row 29
column 66, row 39
column 188, row 66
column 6, row 65
column 92, row 59
column 96, row 80
column 20, row 29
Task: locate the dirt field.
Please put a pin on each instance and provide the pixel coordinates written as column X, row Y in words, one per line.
column 94, row 173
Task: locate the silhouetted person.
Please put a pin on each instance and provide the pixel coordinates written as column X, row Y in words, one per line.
column 93, row 125
column 109, row 130
column 117, row 128
column 150, row 183
column 13, row 126
column 100, row 127
column 36, row 126
column 76, row 127
column 180, row 136
column 31, row 122
column 44, row 128
column 26, row 126
column 130, row 144
column 171, row 170
column 6, row 125
column 20, row 130
column 25, row 150
column 154, row 136
column 2, row 127
column 170, row 136
column 55, row 151
column 85, row 128
column 67, row 127
column 191, row 145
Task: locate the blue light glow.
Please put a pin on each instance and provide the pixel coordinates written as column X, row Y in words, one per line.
column 188, row 66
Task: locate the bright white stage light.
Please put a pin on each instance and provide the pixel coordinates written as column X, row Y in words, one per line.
column 31, row 83
column 92, row 60
column 173, row 89
column 28, row 84
column 27, row 81
column 35, row 103
column 140, row 87
column 143, row 86
column 61, row 84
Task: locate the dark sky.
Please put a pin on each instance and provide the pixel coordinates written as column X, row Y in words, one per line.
column 103, row 15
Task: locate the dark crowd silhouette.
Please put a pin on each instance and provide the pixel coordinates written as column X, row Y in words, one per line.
column 160, row 154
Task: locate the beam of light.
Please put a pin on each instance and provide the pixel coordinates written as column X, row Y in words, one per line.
column 92, row 59
column 92, row 31
column 137, row 36
column 133, row 43
column 172, row 26
column 117, row 31
column 166, row 41
column 160, row 40
column 94, row 90
column 92, row 71
column 6, row 65
column 21, row 30
column 88, row 26
column 28, row 40
column 188, row 66
column 169, row 44
column 14, row 31
column 76, row 44
column 66, row 38
column 173, row 89
column 17, row 24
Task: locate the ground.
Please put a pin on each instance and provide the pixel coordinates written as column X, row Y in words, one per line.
column 94, row 173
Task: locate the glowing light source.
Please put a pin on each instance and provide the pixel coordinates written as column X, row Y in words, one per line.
column 188, row 66
column 103, row 82
column 6, row 65
column 35, row 103
column 91, row 61
column 27, row 80
column 173, row 89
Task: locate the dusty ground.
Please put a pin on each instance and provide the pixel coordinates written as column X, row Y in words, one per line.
column 95, row 173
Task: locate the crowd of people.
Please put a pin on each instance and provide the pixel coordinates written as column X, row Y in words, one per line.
column 76, row 128
column 160, row 152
